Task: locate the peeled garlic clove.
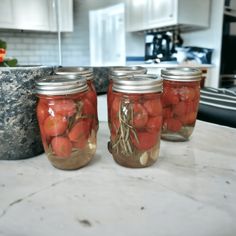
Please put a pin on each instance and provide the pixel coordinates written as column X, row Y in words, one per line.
column 154, row 154
column 143, row 159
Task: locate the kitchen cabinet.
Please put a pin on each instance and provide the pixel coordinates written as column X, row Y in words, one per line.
column 31, row 15
column 167, row 14
column 37, row 15
column 135, row 16
column 6, row 13
column 65, row 16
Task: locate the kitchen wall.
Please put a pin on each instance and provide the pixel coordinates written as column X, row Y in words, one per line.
column 31, row 48
column 210, row 38
column 42, row 47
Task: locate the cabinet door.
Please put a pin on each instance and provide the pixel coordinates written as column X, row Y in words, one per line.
column 65, row 15
column 6, row 14
column 161, row 12
column 136, row 14
column 32, row 15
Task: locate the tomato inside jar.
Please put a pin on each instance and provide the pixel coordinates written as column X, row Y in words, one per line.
column 136, row 118
column 119, row 72
column 180, row 99
column 86, row 72
column 66, row 118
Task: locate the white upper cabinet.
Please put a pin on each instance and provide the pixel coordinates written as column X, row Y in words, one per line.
column 65, row 16
column 6, row 13
column 30, row 15
column 36, row 15
column 135, row 14
column 167, row 14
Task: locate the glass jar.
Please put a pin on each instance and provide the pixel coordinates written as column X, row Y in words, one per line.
column 66, row 116
column 120, row 72
column 136, row 118
column 180, row 99
column 86, row 72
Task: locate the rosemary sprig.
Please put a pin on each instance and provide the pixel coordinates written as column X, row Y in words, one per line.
column 122, row 141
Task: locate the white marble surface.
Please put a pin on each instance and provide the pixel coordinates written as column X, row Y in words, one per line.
column 191, row 190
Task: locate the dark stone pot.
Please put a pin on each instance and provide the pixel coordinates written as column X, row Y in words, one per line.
column 19, row 131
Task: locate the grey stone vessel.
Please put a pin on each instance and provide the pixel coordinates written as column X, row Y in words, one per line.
column 19, row 131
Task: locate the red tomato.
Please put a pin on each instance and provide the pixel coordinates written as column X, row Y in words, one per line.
column 140, row 116
column 61, row 146
column 55, row 125
column 2, row 51
column 170, row 96
column 79, row 133
column 153, row 107
column 167, row 112
column 64, row 107
column 189, row 118
column 115, row 125
column 154, row 123
column 146, row 140
column 114, row 110
column 172, row 124
column 91, row 96
column 42, row 112
column 187, row 93
column 88, row 108
column 180, row 109
column 191, row 106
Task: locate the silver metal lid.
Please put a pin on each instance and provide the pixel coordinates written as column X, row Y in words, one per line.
column 184, row 74
column 83, row 71
column 142, row 83
column 61, row 85
column 133, row 70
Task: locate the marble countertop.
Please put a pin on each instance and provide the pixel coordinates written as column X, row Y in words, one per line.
column 190, row 190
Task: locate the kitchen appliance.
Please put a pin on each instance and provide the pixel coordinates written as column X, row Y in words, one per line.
column 161, row 46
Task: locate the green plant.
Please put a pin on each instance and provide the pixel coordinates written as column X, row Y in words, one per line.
column 8, row 62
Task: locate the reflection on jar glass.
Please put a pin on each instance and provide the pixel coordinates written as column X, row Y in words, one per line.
column 67, row 120
column 180, row 99
column 136, row 116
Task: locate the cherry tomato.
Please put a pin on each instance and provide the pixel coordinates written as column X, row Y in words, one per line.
column 189, row 118
column 79, row 133
column 115, row 107
column 187, row 93
column 2, row 51
column 64, row 107
column 55, row 125
column 88, row 108
column 154, row 123
column 61, row 146
column 42, row 111
column 146, row 140
column 153, row 107
column 170, row 96
column 180, row 109
column 167, row 112
column 191, row 106
column 140, row 117
column 91, row 96
column 172, row 124
column 115, row 124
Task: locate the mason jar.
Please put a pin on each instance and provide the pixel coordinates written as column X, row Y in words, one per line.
column 86, row 72
column 66, row 115
column 119, row 72
column 136, row 118
column 180, row 99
